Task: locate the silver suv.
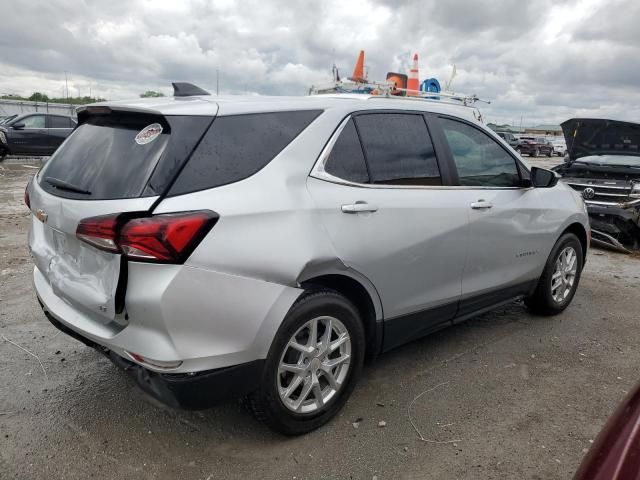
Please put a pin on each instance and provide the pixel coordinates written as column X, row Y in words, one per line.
column 262, row 248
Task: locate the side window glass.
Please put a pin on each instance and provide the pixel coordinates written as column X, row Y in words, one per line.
column 34, row 121
column 480, row 160
column 346, row 159
column 398, row 149
column 59, row 122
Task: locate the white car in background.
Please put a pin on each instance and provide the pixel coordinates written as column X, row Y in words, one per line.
column 559, row 146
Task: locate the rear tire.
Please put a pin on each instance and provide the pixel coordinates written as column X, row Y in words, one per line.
column 549, row 153
column 320, row 389
column 560, row 278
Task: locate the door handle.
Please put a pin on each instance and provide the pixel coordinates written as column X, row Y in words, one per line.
column 481, row 205
column 359, row 207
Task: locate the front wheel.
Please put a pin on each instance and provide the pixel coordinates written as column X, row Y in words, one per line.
column 549, row 153
column 535, row 153
column 560, row 277
column 312, row 366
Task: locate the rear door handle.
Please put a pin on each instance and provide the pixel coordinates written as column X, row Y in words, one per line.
column 481, row 205
column 359, row 207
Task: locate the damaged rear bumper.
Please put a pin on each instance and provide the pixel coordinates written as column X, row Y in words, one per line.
column 189, row 391
column 616, row 226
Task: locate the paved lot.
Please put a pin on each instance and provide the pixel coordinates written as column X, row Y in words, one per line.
column 522, row 396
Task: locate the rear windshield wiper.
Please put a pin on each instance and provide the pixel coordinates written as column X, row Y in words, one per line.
column 62, row 185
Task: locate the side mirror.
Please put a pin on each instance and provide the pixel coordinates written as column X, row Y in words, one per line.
column 543, row 178
column 18, row 126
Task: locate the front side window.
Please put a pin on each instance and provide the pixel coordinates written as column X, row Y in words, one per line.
column 346, row 159
column 479, row 159
column 34, row 121
column 398, row 149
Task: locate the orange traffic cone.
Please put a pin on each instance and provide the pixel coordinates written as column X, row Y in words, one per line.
column 413, row 82
column 358, row 71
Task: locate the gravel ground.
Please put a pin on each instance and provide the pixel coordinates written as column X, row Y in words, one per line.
column 522, row 396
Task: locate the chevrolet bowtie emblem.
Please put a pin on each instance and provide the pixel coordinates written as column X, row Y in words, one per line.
column 41, row 215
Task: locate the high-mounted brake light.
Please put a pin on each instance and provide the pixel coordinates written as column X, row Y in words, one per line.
column 165, row 238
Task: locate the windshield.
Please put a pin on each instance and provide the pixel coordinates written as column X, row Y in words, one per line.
column 5, row 120
column 624, row 160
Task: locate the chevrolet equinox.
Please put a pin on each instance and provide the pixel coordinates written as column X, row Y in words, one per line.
column 262, row 248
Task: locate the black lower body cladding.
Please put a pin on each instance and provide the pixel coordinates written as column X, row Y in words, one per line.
column 189, row 391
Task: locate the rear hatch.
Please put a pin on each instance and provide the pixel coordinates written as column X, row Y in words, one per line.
column 115, row 162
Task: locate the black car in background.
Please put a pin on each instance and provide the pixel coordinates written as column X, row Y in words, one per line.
column 34, row 134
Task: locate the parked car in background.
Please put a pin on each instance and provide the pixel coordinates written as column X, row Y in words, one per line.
column 603, row 164
column 615, row 454
column 559, row 146
column 535, row 146
column 34, row 134
column 217, row 248
column 510, row 138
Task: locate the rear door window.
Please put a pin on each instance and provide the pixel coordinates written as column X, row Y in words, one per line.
column 237, row 146
column 398, row 149
column 103, row 157
column 59, row 122
column 346, row 160
column 479, row 159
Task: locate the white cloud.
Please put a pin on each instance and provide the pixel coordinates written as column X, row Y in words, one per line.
column 544, row 60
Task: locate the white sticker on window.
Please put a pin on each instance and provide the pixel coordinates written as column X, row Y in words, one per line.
column 148, row 134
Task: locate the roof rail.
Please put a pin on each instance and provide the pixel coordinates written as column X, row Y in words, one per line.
column 184, row 89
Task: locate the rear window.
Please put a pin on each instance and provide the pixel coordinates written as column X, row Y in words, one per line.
column 108, row 156
column 237, row 146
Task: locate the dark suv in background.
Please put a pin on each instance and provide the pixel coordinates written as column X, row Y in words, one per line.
column 510, row 138
column 34, row 134
column 535, row 146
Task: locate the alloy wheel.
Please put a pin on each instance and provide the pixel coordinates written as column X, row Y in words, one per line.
column 314, row 365
column 564, row 274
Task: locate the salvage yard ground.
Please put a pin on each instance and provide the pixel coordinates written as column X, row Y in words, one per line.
column 517, row 396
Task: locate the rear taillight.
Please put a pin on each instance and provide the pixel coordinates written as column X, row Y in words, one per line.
column 165, row 238
column 101, row 232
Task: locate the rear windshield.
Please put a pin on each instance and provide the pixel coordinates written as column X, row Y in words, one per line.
column 107, row 157
column 237, row 146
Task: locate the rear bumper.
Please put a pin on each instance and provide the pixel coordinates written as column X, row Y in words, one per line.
column 188, row 391
column 194, row 319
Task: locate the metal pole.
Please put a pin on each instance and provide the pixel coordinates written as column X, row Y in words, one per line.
column 217, row 82
column 66, row 86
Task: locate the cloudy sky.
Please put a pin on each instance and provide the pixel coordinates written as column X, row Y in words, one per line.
column 542, row 60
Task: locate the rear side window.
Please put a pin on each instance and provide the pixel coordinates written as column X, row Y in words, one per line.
column 108, row 156
column 237, row 146
column 398, row 149
column 480, row 160
column 346, row 160
column 60, row 122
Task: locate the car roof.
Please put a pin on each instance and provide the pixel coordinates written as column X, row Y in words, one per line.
column 233, row 105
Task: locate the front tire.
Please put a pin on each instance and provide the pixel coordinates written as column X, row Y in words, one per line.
column 535, row 153
column 560, row 277
column 312, row 366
